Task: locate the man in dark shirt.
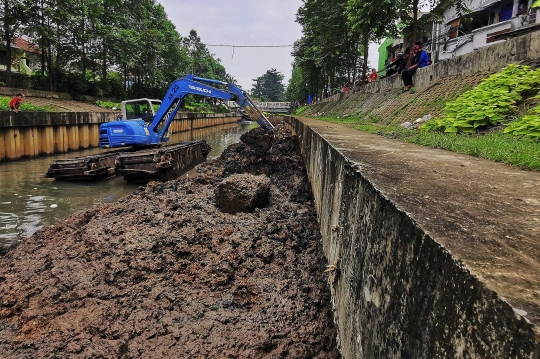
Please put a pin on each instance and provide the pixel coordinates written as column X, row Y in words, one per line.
column 394, row 66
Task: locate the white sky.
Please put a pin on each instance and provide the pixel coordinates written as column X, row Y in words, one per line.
column 244, row 22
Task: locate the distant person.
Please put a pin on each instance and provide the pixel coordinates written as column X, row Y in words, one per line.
column 403, row 64
column 373, row 76
column 16, row 102
column 394, row 66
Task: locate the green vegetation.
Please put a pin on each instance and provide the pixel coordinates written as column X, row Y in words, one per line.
column 491, row 102
column 528, row 125
column 332, row 52
column 269, row 87
column 82, row 41
column 300, row 111
column 109, row 105
column 493, row 145
column 4, row 106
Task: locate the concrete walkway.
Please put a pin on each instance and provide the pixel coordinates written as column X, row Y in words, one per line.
column 486, row 214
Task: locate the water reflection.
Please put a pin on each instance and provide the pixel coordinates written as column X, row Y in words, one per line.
column 28, row 201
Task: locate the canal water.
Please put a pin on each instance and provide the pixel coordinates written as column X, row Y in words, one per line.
column 28, row 201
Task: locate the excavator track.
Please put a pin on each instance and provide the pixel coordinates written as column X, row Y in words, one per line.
column 91, row 168
column 161, row 163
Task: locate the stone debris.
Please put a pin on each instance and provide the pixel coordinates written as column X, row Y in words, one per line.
column 422, row 119
column 407, row 125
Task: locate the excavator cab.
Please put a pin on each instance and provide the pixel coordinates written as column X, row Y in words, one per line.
column 140, row 109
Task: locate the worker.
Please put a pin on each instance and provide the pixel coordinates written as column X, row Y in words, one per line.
column 16, row 102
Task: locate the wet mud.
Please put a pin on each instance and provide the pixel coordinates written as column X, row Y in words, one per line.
column 163, row 273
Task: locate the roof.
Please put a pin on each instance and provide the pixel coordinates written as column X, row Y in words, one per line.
column 25, row 45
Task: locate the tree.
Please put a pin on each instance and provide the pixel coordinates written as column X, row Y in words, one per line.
column 13, row 13
column 297, row 88
column 96, row 47
column 231, row 79
column 201, row 62
column 328, row 51
column 269, row 87
column 374, row 20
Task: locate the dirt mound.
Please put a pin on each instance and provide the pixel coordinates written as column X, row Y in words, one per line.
column 242, row 193
column 164, row 274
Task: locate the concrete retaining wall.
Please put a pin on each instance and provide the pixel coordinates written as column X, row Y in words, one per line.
column 43, row 133
column 396, row 292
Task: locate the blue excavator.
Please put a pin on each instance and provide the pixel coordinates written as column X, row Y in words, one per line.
column 137, row 137
column 151, row 129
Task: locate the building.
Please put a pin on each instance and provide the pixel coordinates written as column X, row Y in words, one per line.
column 25, row 56
column 488, row 22
column 385, row 53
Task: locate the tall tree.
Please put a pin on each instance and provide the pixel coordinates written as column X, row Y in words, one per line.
column 329, row 48
column 374, row 20
column 91, row 46
column 269, row 87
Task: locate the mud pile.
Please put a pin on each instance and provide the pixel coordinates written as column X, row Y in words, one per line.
column 164, row 274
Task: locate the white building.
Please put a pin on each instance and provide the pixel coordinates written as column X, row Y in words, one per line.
column 487, row 24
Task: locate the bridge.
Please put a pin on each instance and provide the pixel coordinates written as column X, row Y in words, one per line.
column 279, row 107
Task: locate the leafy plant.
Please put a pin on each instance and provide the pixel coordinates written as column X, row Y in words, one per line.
column 490, row 102
column 528, row 125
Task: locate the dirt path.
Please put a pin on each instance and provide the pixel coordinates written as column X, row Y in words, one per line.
column 62, row 105
column 164, row 274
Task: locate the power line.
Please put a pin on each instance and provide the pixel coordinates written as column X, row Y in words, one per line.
column 235, row 46
column 252, row 45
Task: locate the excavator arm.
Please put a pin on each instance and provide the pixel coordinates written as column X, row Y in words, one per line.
column 141, row 133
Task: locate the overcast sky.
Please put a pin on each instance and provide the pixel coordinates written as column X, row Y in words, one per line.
column 244, row 22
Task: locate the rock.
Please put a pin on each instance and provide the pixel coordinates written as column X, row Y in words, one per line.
column 242, row 193
column 258, row 139
column 422, row 119
column 407, row 125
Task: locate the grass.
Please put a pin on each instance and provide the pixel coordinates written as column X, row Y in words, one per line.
column 109, row 105
column 493, row 145
column 25, row 107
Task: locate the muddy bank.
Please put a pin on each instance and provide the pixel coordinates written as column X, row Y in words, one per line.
column 164, row 273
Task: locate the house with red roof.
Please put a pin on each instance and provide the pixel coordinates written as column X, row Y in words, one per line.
column 25, row 56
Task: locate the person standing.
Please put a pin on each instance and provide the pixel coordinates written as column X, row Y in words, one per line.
column 421, row 60
column 16, row 102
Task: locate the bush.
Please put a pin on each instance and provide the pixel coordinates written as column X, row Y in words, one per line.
column 490, row 103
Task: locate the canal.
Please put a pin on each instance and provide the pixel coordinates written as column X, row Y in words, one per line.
column 28, row 201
